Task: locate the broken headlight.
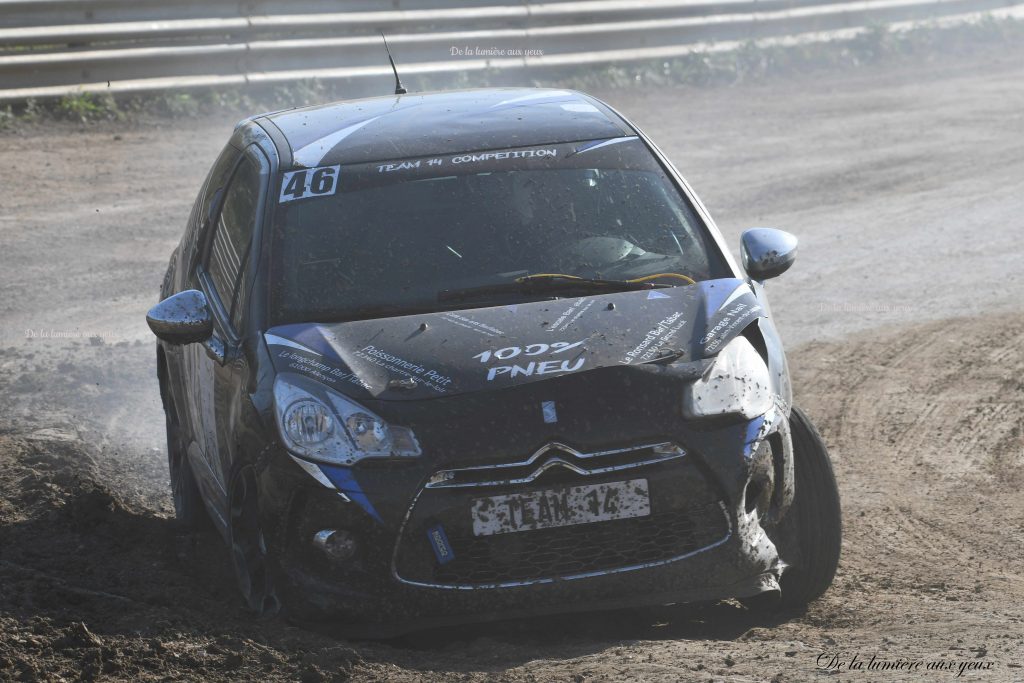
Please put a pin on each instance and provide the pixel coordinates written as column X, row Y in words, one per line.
column 737, row 383
column 320, row 424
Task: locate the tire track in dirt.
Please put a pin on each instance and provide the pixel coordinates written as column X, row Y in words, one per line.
column 932, row 453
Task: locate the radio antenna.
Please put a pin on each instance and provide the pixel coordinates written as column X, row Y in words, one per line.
column 399, row 88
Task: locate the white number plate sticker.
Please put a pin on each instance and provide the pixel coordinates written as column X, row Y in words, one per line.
column 309, row 182
column 564, row 506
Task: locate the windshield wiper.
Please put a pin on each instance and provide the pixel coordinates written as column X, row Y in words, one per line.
column 547, row 283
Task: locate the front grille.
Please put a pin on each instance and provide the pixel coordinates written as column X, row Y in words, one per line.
column 581, row 549
column 557, row 455
column 686, row 516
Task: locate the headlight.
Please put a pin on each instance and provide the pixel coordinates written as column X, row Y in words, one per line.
column 370, row 433
column 738, row 383
column 307, row 422
column 320, row 424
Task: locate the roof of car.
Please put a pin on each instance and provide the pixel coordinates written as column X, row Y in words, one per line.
column 424, row 124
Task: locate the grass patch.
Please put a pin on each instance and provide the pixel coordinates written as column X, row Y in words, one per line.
column 87, row 107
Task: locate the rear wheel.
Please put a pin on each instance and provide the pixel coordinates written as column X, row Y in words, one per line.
column 189, row 512
column 248, row 547
column 810, row 535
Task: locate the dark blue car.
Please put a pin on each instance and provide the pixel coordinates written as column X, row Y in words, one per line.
column 466, row 355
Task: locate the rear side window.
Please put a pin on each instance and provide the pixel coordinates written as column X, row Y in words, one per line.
column 204, row 205
column 232, row 236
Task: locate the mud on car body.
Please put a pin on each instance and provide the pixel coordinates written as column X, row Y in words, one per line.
column 478, row 354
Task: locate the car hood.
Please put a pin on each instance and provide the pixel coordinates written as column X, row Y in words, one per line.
column 483, row 349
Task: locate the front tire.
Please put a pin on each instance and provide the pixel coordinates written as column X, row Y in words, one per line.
column 248, row 547
column 189, row 512
column 811, row 532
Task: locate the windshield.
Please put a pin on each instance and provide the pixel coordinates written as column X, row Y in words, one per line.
column 390, row 238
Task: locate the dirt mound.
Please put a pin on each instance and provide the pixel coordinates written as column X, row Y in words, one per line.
column 925, row 429
column 97, row 585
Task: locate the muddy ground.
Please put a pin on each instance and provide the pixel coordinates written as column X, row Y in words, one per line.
column 905, row 184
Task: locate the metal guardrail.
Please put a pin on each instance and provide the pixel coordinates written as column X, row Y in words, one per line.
column 52, row 48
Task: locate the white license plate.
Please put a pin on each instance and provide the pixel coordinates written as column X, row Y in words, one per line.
column 563, row 506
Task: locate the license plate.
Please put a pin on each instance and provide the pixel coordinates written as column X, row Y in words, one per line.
column 563, row 506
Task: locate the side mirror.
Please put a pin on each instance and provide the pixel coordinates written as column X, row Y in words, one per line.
column 182, row 319
column 767, row 252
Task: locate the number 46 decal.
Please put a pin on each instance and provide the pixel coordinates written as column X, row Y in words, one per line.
column 311, row 182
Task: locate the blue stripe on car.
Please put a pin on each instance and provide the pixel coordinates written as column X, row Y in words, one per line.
column 753, row 431
column 343, row 478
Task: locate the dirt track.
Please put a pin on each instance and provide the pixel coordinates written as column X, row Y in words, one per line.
column 903, row 316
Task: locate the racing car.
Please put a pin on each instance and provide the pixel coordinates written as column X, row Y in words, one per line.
column 455, row 356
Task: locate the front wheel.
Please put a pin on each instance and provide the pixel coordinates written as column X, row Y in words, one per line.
column 189, row 511
column 810, row 535
column 249, row 557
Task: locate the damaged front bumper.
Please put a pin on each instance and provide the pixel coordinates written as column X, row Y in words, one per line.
column 711, row 498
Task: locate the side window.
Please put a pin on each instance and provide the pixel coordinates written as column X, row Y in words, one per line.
column 211, row 190
column 232, row 234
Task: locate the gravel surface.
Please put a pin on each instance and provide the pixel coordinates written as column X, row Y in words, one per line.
column 903, row 318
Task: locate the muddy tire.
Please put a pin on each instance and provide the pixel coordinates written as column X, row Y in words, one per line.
column 189, row 512
column 813, row 522
column 252, row 563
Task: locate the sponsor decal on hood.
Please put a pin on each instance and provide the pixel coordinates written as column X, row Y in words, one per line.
column 456, row 352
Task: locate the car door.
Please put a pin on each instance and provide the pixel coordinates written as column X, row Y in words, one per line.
column 218, row 372
column 187, row 363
